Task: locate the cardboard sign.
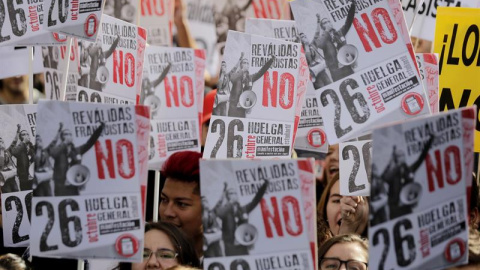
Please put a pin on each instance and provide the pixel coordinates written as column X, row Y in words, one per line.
column 78, row 18
column 355, row 165
column 418, row 206
column 428, row 66
column 156, row 16
column 254, row 213
column 16, row 59
column 458, row 75
column 256, row 100
column 202, row 27
column 424, row 22
column 55, row 62
column 111, row 68
column 310, row 135
column 17, row 154
column 363, row 64
column 169, row 88
column 125, row 10
column 23, row 24
column 91, row 205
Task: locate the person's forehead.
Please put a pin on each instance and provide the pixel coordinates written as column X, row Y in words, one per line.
column 174, row 188
column 156, row 239
column 347, row 251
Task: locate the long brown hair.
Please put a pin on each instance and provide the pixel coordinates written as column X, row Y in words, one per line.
column 323, row 230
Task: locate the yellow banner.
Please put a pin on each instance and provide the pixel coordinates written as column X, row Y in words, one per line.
column 457, row 42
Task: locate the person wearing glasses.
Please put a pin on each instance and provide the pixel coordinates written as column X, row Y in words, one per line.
column 166, row 246
column 349, row 250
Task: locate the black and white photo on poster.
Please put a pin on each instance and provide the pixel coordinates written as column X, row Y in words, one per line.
column 236, row 86
column 420, row 174
column 69, row 175
column 93, row 71
column 17, row 149
column 125, row 10
column 237, row 234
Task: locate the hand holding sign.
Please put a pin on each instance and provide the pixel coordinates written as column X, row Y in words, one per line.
column 354, row 211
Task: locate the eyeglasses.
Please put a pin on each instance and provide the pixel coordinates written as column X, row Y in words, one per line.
column 334, row 264
column 162, row 254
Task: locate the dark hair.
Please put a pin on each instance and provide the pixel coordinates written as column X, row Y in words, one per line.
column 184, row 248
column 11, row 261
column 340, row 239
column 474, row 200
column 323, row 230
column 183, row 166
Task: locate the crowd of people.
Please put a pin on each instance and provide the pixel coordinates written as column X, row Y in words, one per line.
column 188, row 228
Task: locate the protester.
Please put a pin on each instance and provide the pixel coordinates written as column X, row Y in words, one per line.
column 14, row 90
column 180, row 201
column 11, row 261
column 331, row 162
column 181, row 267
column 349, row 250
column 165, row 246
column 339, row 214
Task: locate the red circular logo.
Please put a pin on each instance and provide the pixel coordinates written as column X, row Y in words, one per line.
column 91, row 25
column 59, row 37
column 316, row 137
column 412, row 103
column 454, row 250
column 126, row 245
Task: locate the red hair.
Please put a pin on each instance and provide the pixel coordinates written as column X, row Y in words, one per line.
column 182, row 166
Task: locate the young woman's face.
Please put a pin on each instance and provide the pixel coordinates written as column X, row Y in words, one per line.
column 334, row 215
column 156, row 241
column 345, row 252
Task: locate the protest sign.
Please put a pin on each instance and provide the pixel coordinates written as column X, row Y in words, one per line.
column 310, row 135
column 156, row 16
column 17, row 153
column 256, row 101
column 418, row 207
column 428, row 66
column 202, row 27
column 23, row 24
column 231, row 15
column 459, row 67
column 55, row 62
column 200, row 65
column 362, row 63
column 254, row 213
column 91, row 206
column 78, row 18
column 125, row 10
column 355, row 165
column 15, row 58
column 424, row 22
column 111, row 68
column 169, row 88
